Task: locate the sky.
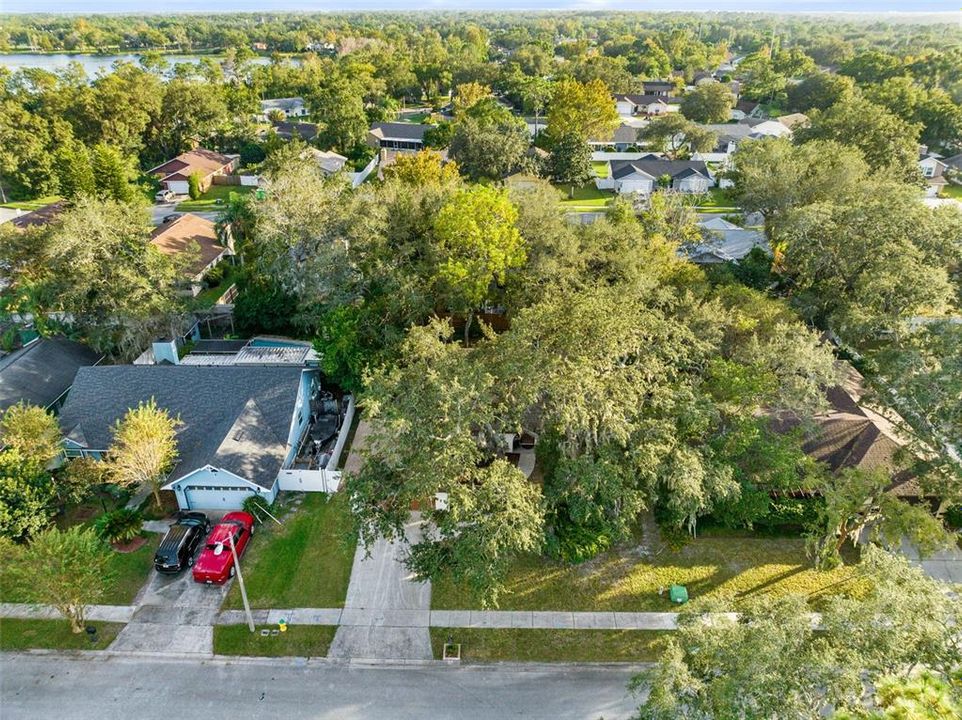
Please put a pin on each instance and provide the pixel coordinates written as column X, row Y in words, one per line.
column 209, row 6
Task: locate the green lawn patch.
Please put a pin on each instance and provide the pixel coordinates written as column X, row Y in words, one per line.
column 628, row 580
column 717, row 199
column 521, row 645
column 34, row 204
column 600, row 167
column 53, row 635
column 130, row 573
column 299, row 640
column 208, row 202
column 207, row 297
column 587, row 196
column 305, row 563
column 952, row 191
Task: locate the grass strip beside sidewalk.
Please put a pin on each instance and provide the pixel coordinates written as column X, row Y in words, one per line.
column 526, row 645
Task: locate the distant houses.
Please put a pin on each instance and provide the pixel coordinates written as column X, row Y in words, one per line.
column 289, row 130
column 933, row 169
column 206, row 164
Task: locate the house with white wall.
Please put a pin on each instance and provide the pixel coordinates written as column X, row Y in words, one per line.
column 933, row 170
column 241, row 425
column 644, row 175
column 291, row 107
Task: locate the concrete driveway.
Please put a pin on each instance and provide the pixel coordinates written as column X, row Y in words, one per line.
column 386, row 612
column 174, row 614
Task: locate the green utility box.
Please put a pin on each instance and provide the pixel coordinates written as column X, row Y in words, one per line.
column 678, row 594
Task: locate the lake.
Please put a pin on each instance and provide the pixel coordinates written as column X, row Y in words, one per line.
column 92, row 64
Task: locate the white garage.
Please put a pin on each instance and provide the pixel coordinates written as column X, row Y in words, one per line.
column 211, row 488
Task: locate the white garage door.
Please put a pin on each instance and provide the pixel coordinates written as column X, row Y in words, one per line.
column 211, row 497
column 178, row 186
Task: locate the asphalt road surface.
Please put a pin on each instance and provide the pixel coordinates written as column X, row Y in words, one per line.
column 36, row 687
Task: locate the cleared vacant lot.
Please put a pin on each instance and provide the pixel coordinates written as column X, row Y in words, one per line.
column 630, row 580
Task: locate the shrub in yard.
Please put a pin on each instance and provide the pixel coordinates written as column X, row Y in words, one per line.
column 257, row 506
column 119, row 526
column 193, row 186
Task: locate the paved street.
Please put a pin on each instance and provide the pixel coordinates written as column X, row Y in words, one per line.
column 35, row 687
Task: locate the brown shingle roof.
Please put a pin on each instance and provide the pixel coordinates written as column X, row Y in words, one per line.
column 180, row 234
column 199, row 160
column 40, row 216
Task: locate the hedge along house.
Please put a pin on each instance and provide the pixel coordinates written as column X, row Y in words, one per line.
column 241, row 425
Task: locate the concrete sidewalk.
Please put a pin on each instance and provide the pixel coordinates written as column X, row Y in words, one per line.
column 531, row 619
column 103, row 613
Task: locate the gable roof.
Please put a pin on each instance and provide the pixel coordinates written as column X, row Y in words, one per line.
column 399, row 131
column 306, row 131
column 42, row 371
column 655, row 167
column 40, row 216
column 853, row 435
column 723, row 244
column 198, row 160
column 221, row 426
column 283, row 104
column 647, row 99
column 182, row 233
column 793, row 120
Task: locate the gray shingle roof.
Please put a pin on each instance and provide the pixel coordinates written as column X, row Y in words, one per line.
column 43, row 371
column 656, row 167
column 234, row 418
column 401, row 131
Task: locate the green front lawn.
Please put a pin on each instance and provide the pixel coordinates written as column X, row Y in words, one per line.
column 130, row 573
column 519, row 645
column 630, row 581
column 600, row 167
column 305, row 563
column 298, row 640
column 208, row 202
column 586, row 196
column 53, row 635
column 717, row 198
column 34, row 204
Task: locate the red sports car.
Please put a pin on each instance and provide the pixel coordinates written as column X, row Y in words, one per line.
column 216, row 561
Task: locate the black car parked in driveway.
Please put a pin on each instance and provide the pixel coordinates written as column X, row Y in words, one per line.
column 176, row 550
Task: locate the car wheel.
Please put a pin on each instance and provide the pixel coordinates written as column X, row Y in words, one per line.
column 232, row 571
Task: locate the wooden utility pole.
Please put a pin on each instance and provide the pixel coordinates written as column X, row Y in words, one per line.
column 240, row 579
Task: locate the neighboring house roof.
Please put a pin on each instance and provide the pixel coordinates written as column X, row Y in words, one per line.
column 655, row 167
column 328, row 160
column 399, row 131
column 853, row 435
column 647, row 99
column 42, row 371
column 651, row 86
column 746, row 106
column 199, row 160
column 954, row 162
column 40, row 216
column 793, row 120
column 624, row 134
column 287, row 130
column 188, row 233
column 234, row 418
column 283, row 104
column 726, row 245
column 718, row 223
